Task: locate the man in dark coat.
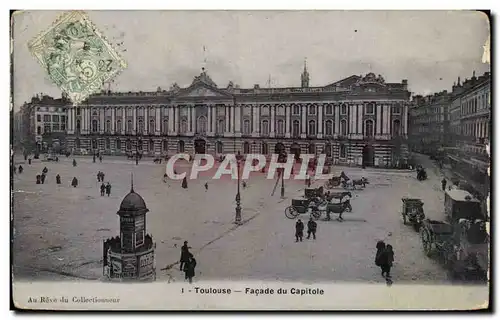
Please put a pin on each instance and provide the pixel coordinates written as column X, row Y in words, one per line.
column 299, row 230
column 74, row 182
column 21, row 169
column 38, row 179
column 74, row 163
column 185, row 254
column 58, row 179
column 99, row 176
column 29, row 161
column 43, row 177
column 184, row 183
column 108, row 189
column 189, row 268
column 100, row 158
column 386, row 260
column 206, row 186
column 311, row 228
column 443, row 184
column 103, row 189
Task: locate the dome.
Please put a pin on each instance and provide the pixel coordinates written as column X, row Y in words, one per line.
column 133, row 202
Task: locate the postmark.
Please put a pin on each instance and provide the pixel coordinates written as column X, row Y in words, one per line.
column 76, row 56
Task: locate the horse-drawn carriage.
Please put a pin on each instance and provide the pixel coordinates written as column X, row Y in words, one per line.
column 311, row 193
column 333, row 182
column 463, row 242
column 301, row 206
column 421, row 174
column 351, row 184
column 413, row 212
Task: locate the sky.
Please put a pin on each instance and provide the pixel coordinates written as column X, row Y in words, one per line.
column 429, row 48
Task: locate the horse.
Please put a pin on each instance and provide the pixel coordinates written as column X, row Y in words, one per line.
column 338, row 208
column 355, row 182
column 338, row 195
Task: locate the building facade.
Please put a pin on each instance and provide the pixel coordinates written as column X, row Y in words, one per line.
column 354, row 120
column 429, row 123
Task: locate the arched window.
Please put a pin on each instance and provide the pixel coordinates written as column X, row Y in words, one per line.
column 264, row 110
column 246, row 127
column 281, row 111
column 343, row 151
column 312, row 149
column 396, row 127
column 184, row 125
column 201, row 126
column 108, row 126
column 343, row 127
column 151, row 126
column 107, row 144
column 94, row 125
column 151, row 146
column 118, row 144
column 296, row 128
column 128, row 145
column 140, row 127
column 219, row 147
column 265, row 148
column 369, row 128
column 264, row 129
column 246, row 147
column 343, row 109
column 180, row 147
column 77, row 143
column 129, row 127
column 281, row 127
column 312, row 109
column 329, row 127
column 312, row 127
column 328, row 150
column 165, row 145
column 165, row 126
column 220, row 126
column 118, row 126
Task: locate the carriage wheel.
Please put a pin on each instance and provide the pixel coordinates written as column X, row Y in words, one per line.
column 291, row 213
column 348, row 208
column 426, row 242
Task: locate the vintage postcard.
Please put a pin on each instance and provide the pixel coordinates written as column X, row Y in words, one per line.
column 250, row 160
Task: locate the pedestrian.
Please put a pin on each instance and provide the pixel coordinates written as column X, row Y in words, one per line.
column 43, row 178
column 108, row 188
column 165, row 176
column 299, row 230
column 189, row 268
column 20, row 169
column 74, row 182
column 443, row 184
column 38, row 179
column 102, row 176
column 100, row 159
column 29, row 161
column 184, row 183
column 184, row 255
column 380, row 248
column 74, row 163
column 99, row 176
column 308, row 181
column 244, row 184
column 103, row 189
column 311, row 228
column 386, row 260
column 57, row 159
column 206, row 186
column 93, row 158
column 58, row 179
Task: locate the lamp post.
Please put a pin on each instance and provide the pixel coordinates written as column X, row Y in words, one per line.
column 283, row 160
column 237, row 219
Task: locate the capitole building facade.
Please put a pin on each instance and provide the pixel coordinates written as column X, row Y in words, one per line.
column 354, row 120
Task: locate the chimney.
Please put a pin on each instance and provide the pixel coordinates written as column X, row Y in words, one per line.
column 405, row 84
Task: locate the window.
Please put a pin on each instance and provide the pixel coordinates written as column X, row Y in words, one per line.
column 246, row 127
column 94, row 144
column 39, row 130
column 370, row 108
column 151, row 146
column 118, row 144
column 369, row 128
column 63, row 126
column 246, row 148
column 140, row 112
column 63, row 118
column 219, row 147
column 312, row 127
column 296, row 128
column 77, row 143
column 296, row 110
column 312, row 149
column 55, row 127
column 94, row 125
column 312, row 110
column 38, row 117
column 343, row 109
column 139, row 238
column 264, row 129
column 78, row 111
column 165, row 126
column 220, row 126
column 180, row 146
column 201, row 126
column 128, row 145
column 46, row 118
column 151, row 126
column 129, row 126
column 343, row 127
column 265, row 148
column 396, row 109
column 396, row 127
column 118, row 126
column 108, row 126
column 264, row 111
column 328, row 150
column 55, row 118
column 77, row 126
column 281, row 111
column 107, row 144
column 329, row 109
column 329, row 128
column 184, row 125
column 281, row 127
column 342, row 151
column 140, row 127
column 165, row 145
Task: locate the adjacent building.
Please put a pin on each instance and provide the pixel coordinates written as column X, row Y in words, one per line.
column 359, row 119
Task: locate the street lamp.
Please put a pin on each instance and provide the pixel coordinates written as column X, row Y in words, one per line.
column 283, row 159
column 237, row 219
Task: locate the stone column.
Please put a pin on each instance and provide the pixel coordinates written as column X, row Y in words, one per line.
column 146, row 120
column 113, row 122
column 303, row 129
column 209, row 120
column 378, row 127
column 237, row 118
column 226, row 121
column 188, row 118
column 273, row 120
column 385, row 116
column 193, row 118
column 288, row 113
column 320, row 121
column 134, row 124
column 336, row 110
column 215, row 114
column 171, row 127
column 176, row 120
column 360, row 118
column 405, row 119
column 158, row 120
column 352, row 119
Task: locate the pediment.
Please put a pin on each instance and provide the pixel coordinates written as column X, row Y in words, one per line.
column 201, row 90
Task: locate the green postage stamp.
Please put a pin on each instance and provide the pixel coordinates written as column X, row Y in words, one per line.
column 76, row 56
